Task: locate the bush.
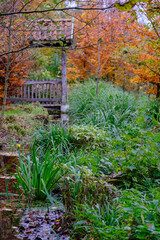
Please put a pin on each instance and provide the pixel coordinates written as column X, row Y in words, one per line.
column 98, row 222
column 80, row 186
column 132, row 216
column 137, row 158
column 88, row 136
column 154, row 109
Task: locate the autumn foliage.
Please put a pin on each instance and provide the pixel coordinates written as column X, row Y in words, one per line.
column 15, row 64
column 18, row 71
column 118, row 47
column 95, row 44
column 143, row 58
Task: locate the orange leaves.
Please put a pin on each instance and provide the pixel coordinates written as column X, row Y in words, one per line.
column 98, row 36
column 145, row 61
column 15, row 65
column 141, row 54
column 115, row 44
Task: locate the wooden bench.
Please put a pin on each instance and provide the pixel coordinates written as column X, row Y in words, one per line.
column 47, row 92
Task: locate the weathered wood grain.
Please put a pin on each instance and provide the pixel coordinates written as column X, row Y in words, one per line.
column 34, row 99
column 48, row 93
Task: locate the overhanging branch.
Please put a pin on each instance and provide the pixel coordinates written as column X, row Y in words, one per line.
column 15, row 51
column 56, row 9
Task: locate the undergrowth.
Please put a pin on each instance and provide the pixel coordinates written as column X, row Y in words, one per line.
column 109, row 164
column 19, row 123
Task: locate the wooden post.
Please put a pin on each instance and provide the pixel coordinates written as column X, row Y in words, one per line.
column 64, row 104
column 64, row 78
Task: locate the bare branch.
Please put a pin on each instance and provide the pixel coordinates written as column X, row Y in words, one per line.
column 15, row 51
column 56, row 9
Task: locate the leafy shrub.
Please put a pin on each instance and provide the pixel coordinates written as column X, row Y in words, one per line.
column 80, row 186
column 89, row 135
column 133, row 216
column 156, row 138
column 94, row 159
column 140, row 215
column 154, row 109
column 137, row 158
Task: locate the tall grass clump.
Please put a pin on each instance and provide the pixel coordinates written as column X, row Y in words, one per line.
column 37, row 177
column 112, row 110
column 53, row 138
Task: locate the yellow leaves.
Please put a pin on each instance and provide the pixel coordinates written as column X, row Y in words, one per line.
column 125, row 7
column 152, row 90
column 136, row 79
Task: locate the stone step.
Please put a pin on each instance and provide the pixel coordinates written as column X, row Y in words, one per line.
column 7, row 185
column 8, row 162
column 54, row 117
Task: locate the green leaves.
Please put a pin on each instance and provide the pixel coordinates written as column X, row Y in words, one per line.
column 88, row 135
column 55, row 2
column 61, row 43
column 40, row 22
column 37, row 176
column 32, row 17
column 128, row 5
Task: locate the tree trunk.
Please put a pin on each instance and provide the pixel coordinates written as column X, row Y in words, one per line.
column 7, row 73
column 158, row 90
column 137, row 90
column 97, row 84
column 124, row 81
column 98, row 70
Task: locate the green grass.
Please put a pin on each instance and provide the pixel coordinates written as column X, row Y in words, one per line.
column 55, row 138
column 156, row 137
column 23, row 109
column 113, row 110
